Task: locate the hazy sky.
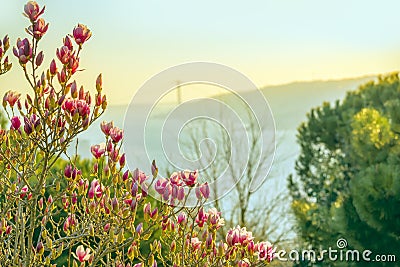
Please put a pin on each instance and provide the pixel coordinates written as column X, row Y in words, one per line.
column 271, row 42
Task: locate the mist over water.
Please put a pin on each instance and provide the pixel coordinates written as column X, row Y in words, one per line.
column 289, row 104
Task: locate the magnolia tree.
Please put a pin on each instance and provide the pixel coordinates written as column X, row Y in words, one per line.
column 106, row 219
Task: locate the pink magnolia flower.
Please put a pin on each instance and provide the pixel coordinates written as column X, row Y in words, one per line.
column 83, row 108
column 113, row 155
column 24, row 190
column 68, row 171
column 160, row 185
column 116, row 134
column 214, row 217
column 139, row 176
column 38, row 29
column 198, row 193
column 181, row 193
column 98, row 150
column 189, row 177
column 11, row 97
column 81, row 254
column 53, row 67
column 106, row 127
column 63, row 54
column 69, row 222
column 68, row 43
column 167, row 192
column 174, row 192
column 81, row 34
column 76, row 105
column 195, row 243
column 238, row 235
column 32, row 10
column 15, row 123
column 265, row 251
column 176, row 178
column 69, row 105
column 23, row 51
column 182, row 218
column 95, row 189
column 31, row 123
column 73, row 63
column 201, row 217
column 244, row 263
column 203, row 191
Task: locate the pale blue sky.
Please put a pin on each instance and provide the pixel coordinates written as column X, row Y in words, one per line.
column 271, row 42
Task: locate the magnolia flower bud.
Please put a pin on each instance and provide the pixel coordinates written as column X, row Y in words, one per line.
column 39, row 248
column 39, row 59
column 106, row 227
column 139, row 229
column 182, row 218
column 122, row 160
column 125, row 176
column 74, row 90
column 40, row 203
column 115, row 204
column 99, row 83
column 81, row 34
column 15, row 123
column 154, row 169
column 81, row 93
column 53, row 68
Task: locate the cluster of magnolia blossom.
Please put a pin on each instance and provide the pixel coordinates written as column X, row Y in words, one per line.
column 75, row 103
column 173, row 188
column 105, row 217
column 239, row 245
column 240, row 237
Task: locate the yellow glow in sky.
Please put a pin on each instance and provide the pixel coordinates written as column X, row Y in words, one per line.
column 272, row 42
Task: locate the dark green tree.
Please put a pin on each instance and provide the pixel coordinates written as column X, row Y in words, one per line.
column 347, row 182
